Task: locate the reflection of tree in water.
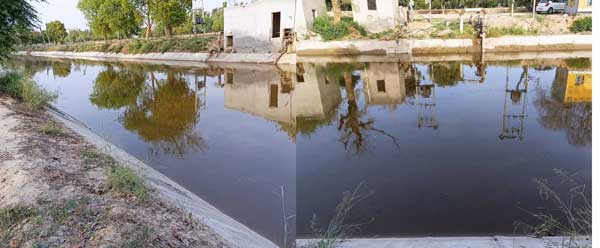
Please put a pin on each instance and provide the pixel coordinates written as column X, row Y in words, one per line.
column 166, row 115
column 162, row 112
column 445, row 74
column 353, row 126
column 574, row 118
column 114, row 89
column 61, row 68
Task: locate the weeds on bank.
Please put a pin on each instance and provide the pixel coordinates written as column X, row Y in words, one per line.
column 565, row 218
column 23, row 88
column 12, row 215
column 51, row 129
column 338, row 228
column 510, row 31
column 134, row 46
column 127, row 181
column 325, row 27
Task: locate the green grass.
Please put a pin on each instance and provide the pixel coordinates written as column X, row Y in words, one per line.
column 324, row 26
column 582, row 25
column 509, row 31
column 51, row 129
column 12, row 215
column 23, row 88
column 134, row 46
column 127, row 181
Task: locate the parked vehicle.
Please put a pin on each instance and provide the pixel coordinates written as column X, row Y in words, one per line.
column 551, row 6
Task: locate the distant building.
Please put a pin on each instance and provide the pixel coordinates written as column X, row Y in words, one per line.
column 578, row 6
column 262, row 26
column 377, row 15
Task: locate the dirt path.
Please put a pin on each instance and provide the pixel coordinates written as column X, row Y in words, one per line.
column 56, row 190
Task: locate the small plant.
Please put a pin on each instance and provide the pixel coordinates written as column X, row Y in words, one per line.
column 61, row 212
column 10, row 83
column 582, row 25
column 570, row 215
column 329, row 31
column 51, row 129
column 338, row 228
column 12, row 215
column 34, row 96
column 127, row 181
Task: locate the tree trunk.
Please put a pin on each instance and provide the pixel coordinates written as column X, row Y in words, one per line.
column 337, row 11
column 148, row 26
column 169, row 31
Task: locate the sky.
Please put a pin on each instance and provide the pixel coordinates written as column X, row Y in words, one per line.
column 66, row 11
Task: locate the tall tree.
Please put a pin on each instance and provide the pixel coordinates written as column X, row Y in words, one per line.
column 111, row 17
column 56, row 31
column 143, row 7
column 98, row 23
column 14, row 14
column 170, row 13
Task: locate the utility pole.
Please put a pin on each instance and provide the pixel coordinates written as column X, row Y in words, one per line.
column 533, row 10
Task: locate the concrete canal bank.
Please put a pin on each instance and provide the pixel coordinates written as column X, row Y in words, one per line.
column 232, row 231
column 412, row 47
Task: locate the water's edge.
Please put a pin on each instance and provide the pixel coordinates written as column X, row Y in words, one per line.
column 231, row 230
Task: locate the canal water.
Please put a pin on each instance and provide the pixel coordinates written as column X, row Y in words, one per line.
column 436, row 148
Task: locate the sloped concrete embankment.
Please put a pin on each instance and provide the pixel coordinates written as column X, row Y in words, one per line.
column 251, row 58
column 446, row 46
column 232, row 231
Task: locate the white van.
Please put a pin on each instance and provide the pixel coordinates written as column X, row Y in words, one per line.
column 551, row 6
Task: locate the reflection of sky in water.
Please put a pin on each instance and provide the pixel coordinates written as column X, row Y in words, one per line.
column 424, row 180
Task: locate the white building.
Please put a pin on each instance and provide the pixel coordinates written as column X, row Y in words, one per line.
column 260, row 26
column 377, row 15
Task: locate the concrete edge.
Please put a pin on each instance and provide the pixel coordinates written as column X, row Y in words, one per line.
column 565, row 42
column 454, row 242
column 237, row 234
column 197, row 58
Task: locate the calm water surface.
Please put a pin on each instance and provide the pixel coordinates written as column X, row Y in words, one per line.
column 447, row 148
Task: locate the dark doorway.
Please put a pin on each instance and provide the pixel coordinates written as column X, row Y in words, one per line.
column 276, row 25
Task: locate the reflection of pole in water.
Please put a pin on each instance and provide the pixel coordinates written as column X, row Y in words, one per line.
column 518, row 97
column 200, row 91
column 426, row 104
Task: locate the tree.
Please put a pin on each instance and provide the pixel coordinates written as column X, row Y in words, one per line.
column 111, row 17
column 56, row 31
column 13, row 14
column 96, row 21
column 170, row 13
column 218, row 20
column 144, row 10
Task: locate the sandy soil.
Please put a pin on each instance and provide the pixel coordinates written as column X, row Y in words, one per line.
column 56, row 186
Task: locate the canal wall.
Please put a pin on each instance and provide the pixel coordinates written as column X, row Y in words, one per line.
column 453, row 242
column 232, row 231
column 445, row 46
column 253, row 58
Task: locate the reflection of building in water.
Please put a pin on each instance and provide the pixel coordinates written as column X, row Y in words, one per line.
column 426, row 103
column 281, row 96
column 515, row 104
column 579, row 87
column 384, row 84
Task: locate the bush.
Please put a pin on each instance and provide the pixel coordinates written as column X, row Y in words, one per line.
column 328, row 31
column 32, row 95
column 582, row 25
column 127, row 181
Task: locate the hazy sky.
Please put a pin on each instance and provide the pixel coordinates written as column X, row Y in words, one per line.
column 66, row 11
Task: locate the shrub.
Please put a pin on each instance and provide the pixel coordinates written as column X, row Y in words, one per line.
column 582, row 25
column 329, row 31
column 133, row 46
column 127, row 181
column 147, row 47
column 166, row 46
column 32, row 95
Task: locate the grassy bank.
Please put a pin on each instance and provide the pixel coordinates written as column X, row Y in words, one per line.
column 135, row 46
column 24, row 89
column 58, row 190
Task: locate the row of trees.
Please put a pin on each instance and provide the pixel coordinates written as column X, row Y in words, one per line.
column 124, row 18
